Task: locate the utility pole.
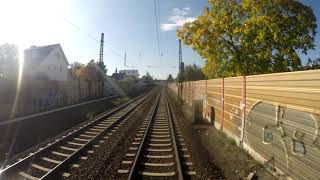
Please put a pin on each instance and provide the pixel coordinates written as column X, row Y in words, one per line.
column 180, row 76
column 101, row 65
column 101, row 48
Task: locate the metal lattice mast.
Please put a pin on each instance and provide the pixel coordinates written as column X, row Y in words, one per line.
column 180, row 57
column 180, row 79
column 101, row 48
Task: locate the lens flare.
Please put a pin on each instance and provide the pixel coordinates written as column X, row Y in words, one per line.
column 19, row 81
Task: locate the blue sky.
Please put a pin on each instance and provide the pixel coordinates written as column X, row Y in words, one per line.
column 129, row 26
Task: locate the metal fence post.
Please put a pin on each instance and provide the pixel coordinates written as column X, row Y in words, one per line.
column 222, row 103
column 206, row 96
column 243, row 104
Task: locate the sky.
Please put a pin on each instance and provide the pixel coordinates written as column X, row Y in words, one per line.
column 129, row 27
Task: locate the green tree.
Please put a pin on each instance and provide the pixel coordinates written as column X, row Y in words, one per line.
column 102, row 67
column 242, row 37
column 147, row 77
column 170, row 78
column 192, row 73
column 313, row 64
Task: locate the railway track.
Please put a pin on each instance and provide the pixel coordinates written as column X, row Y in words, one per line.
column 52, row 160
column 158, row 150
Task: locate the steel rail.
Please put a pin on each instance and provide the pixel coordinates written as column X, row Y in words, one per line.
column 143, row 141
column 176, row 152
column 53, row 172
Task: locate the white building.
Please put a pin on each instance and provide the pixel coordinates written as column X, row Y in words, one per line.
column 46, row 62
column 132, row 72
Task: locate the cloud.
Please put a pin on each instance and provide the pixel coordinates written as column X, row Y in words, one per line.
column 178, row 17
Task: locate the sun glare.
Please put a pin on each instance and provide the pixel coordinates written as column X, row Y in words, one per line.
column 19, row 81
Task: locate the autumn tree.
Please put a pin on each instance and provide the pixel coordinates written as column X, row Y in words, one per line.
column 242, row 37
column 192, row 73
column 76, row 68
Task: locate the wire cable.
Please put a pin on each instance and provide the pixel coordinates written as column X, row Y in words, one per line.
column 157, row 24
column 88, row 34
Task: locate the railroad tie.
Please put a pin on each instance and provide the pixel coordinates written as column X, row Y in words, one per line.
column 89, row 136
column 188, row 163
column 159, row 140
column 157, row 174
column 83, row 157
column 160, row 145
column 159, row 136
column 40, row 167
column 91, row 132
column 80, row 139
column 60, row 154
column 130, row 154
column 51, row 160
column 77, row 144
column 95, row 129
column 190, row 172
column 123, row 171
column 66, row 174
column 133, row 148
column 69, row 149
column 126, row 162
column 183, row 149
column 159, row 156
column 186, row 155
column 27, row 176
column 158, row 164
column 100, row 127
column 75, row 165
column 159, row 150
column 160, row 132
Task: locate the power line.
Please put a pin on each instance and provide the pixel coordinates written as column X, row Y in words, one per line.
column 88, row 34
column 157, row 24
column 78, row 28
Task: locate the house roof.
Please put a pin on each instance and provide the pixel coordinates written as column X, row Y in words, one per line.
column 36, row 54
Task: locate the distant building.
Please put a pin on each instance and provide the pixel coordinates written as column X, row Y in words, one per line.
column 46, row 62
column 118, row 76
column 132, row 72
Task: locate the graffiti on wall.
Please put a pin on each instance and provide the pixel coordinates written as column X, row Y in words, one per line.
column 287, row 137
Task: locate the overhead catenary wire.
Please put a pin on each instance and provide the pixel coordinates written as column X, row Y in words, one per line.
column 88, row 34
column 157, row 25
